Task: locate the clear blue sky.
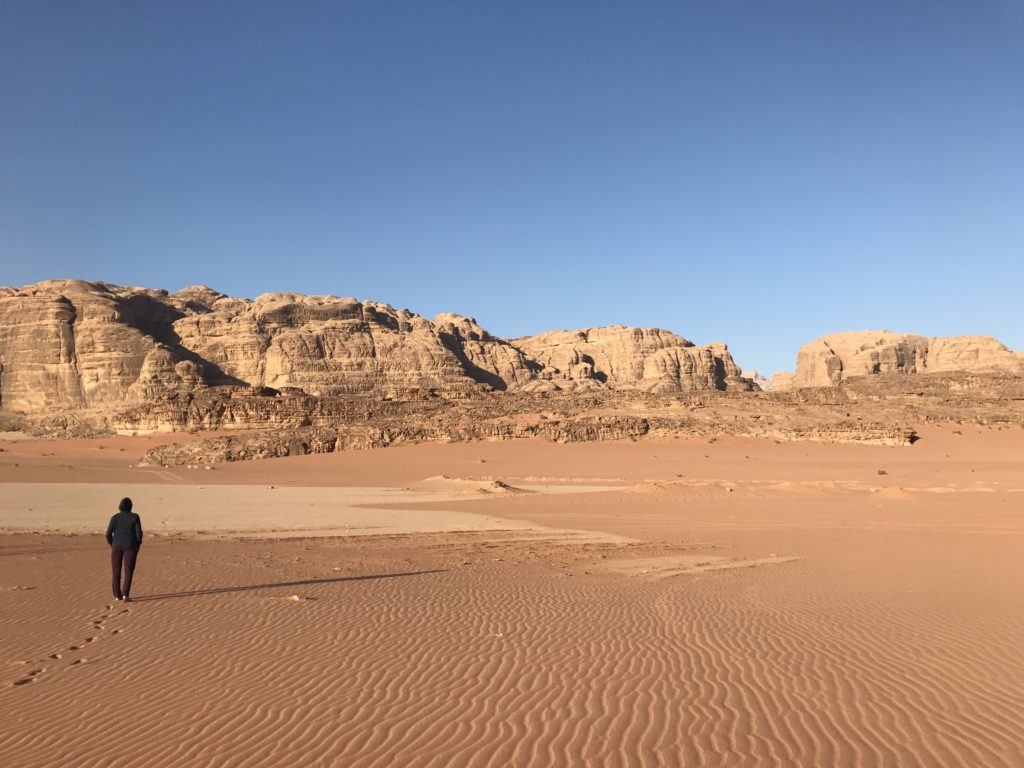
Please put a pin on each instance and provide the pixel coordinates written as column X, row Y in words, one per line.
column 759, row 173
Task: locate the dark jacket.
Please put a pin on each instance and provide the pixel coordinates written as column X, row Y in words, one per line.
column 125, row 531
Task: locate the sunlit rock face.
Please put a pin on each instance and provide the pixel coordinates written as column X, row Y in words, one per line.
column 71, row 344
column 974, row 354
column 323, row 345
column 647, row 359
column 830, row 359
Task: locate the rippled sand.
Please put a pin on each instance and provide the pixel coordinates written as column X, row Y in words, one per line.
column 768, row 605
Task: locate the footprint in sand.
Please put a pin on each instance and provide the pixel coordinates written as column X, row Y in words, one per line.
column 75, row 647
column 31, row 677
column 56, row 655
column 76, row 662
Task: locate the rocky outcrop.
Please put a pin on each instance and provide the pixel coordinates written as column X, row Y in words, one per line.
column 646, row 359
column 300, row 424
column 71, row 345
column 488, row 359
column 328, row 346
column 265, row 444
column 831, row 359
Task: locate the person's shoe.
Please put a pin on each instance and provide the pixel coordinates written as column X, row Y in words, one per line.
column 118, row 599
column 126, row 599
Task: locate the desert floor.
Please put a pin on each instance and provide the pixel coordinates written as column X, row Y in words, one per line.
column 687, row 603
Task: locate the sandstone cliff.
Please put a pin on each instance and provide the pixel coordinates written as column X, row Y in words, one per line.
column 82, row 347
column 72, row 344
column 646, row 359
column 830, row 359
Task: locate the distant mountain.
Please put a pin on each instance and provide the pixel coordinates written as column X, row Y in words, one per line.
column 762, row 382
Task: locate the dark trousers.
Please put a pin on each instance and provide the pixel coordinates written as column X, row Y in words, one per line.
column 128, row 556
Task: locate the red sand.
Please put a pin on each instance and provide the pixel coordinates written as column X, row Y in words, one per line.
column 776, row 605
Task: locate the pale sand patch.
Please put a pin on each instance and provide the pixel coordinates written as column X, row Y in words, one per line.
column 250, row 510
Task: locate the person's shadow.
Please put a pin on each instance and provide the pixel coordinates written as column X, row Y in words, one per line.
column 303, row 583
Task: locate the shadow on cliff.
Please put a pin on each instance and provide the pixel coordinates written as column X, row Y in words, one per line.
column 303, row 583
column 154, row 318
column 454, row 345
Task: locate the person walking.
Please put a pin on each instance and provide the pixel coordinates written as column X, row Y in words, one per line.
column 124, row 535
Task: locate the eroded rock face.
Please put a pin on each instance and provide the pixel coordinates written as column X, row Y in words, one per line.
column 489, row 359
column 324, row 345
column 830, row 359
column 73, row 344
column 76, row 345
column 976, row 354
column 647, row 359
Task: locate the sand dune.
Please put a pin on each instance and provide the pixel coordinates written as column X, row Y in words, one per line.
column 819, row 614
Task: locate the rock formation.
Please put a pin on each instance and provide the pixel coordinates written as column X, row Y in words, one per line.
column 647, row 359
column 286, row 374
column 974, row 354
column 81, row 347
column 830, row 359
column 71, row 344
